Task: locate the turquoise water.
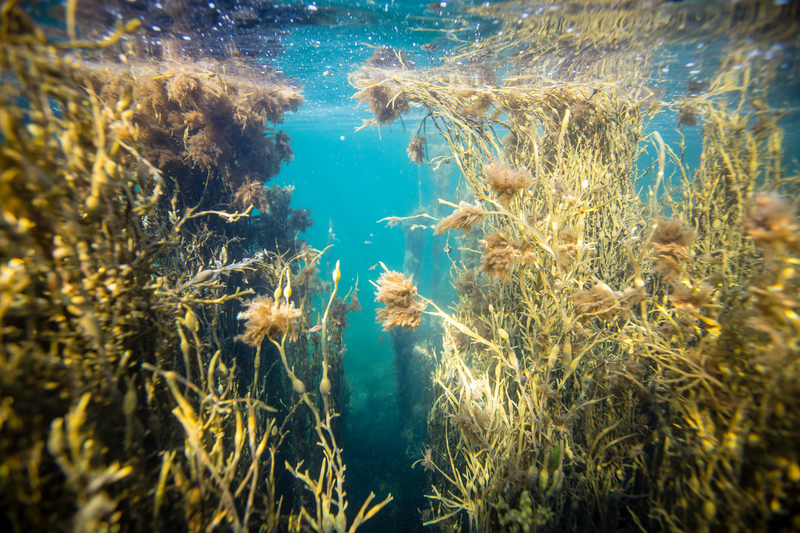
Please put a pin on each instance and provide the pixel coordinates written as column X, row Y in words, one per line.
column 350, row 180
column 349, row 185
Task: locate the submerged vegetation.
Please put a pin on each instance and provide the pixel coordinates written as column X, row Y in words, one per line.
column 403, row 305
column 134, row 223
column 615, row 363
column 623, row 354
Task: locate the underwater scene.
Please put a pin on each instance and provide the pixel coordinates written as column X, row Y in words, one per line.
column 396, row 266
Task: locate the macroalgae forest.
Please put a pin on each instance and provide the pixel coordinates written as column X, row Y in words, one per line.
column 558, row 288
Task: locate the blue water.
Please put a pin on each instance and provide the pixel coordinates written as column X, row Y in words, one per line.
column 349, row 180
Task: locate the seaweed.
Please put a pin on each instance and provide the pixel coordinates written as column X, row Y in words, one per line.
column 505, row 182
column 264, row 317
column 124, row 261
column 463, row 217
column 621, row 361
column 416, row 149
column 670, row 242
column 403, row 307
column 385, row 99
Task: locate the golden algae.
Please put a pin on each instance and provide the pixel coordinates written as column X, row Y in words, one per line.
column 126, row 256
column 403, row 305
column 385, row 100
column 628, row 362
column 416, row 149
column 463, row 217
column 267, row 318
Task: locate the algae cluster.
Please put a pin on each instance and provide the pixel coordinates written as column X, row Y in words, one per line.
column 161, row 367
column 625, row 356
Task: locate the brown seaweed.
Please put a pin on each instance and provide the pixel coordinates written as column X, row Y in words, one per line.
column 403, row 305
column 505, row 181
column 463, row 217
column 265, row 317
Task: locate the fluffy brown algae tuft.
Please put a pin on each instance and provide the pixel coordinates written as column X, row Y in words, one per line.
column 505, row 181
column 381, row 92
column 416, row 149
column 773, row 224
column 386, row 103
column 463, row 217
column 252, row 193
column 499, row 254
column 403, row 304
column 671, row 241
column 267, row 318
column 603, row 302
